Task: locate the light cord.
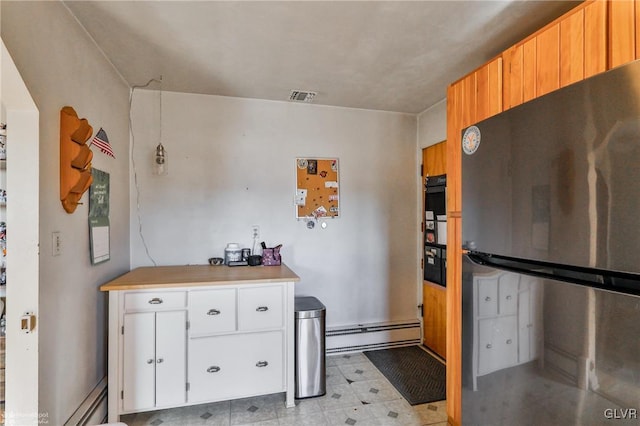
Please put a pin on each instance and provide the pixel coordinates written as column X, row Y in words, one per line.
column 133, row 161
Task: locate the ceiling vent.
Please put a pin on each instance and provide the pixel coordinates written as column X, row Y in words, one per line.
column 302, row 96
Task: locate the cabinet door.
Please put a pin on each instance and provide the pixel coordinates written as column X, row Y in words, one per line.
column 139, row 361
column 260, row 308
column 434, row 159
column 171, row 358
column 212, row 311
column 548, row 60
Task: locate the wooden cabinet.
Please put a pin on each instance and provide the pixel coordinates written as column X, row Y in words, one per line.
column 564, row 52
column 435, row 318
column 154, row 360
column 195, row 334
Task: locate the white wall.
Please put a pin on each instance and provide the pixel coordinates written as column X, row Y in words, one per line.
column 432, row 125
column 232, row 165
column 61, row 66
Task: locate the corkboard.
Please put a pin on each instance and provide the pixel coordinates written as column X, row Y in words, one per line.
column 317, row 188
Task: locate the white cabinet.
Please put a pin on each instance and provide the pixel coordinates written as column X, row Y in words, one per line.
column 154, row 362
column 507, row 321
column 176, row 342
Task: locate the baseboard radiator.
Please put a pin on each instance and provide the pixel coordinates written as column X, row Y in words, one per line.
column 362, row 337
column 93, row 410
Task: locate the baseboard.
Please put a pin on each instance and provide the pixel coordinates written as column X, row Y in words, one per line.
column 93, row 410
column 361, row 337
column 561, row 361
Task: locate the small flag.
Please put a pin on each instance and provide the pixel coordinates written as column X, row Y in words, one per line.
column 102, row 141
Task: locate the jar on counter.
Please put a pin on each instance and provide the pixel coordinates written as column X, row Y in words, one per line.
column 232, row 253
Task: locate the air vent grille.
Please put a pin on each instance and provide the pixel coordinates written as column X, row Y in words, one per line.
column 302, row 96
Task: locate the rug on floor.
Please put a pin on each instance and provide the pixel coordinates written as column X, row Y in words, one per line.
column 418, row 376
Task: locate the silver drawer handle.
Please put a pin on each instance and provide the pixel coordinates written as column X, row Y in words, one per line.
column 262, row 364
column 213, row 312
column 509, row 297
column 489, row 346
column 149, row 361
column 262, row 309
column 160, row 360
column 155, row 301
column 508, row 341
column 213, row 369
column 487, row 299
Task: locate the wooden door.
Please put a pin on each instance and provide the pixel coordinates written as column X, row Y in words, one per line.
column 435, row 318
column 171, row 358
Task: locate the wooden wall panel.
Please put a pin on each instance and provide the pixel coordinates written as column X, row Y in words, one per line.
column 495, row 87
column 595, row 38
column 637, row 28
column 621, row 32
column 454, row 320
column 489, row 90
column 529, row 70
column 469, row 100
column 572, row 48
column 453, row 146
column 548, row 60
column 512, row 73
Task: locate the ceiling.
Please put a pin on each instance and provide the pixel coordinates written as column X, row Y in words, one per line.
column 381, row 55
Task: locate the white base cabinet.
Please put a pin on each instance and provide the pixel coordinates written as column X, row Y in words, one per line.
column 185, row 345
column 507, row 321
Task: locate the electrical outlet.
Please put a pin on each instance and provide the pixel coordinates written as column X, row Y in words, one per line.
column 56, row 243
column 255, row 232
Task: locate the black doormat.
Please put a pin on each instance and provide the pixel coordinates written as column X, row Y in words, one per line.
column 418, row 376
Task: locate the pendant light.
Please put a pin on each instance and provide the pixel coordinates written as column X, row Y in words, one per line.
column 160, row 158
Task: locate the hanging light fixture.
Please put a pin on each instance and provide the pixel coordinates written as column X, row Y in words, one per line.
column 160, row 164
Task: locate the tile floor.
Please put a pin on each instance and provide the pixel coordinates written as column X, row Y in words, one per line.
column 357, row 394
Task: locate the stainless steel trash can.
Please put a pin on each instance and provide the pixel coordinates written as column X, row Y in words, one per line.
column 310, row 347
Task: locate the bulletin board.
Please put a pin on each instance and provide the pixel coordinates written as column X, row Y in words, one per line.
column 317, row 188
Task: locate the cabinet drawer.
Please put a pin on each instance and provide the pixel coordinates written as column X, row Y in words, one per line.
column 508, row 294
column 212, row 311
column 230, row 366
column 497, row 344
column 260, row 308
column 137, row 301
column 487, row 297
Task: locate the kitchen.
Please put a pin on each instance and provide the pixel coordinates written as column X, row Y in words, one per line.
column 172, row 216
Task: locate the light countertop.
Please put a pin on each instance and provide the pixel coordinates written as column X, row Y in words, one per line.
column 198, row 275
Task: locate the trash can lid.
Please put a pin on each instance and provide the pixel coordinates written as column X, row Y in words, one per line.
column 309, row 307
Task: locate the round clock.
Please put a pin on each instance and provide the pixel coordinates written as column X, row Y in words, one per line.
column 471, row 140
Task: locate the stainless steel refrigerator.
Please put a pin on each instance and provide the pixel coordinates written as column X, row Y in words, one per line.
column 551, row 222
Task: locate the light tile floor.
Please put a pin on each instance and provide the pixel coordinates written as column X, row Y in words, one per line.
column 357, row 394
